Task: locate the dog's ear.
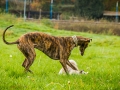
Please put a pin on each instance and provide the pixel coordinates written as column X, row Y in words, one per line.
column 85, row 39
column 88, row 40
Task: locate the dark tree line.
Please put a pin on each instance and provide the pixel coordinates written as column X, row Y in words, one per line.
column 84, row 8
column 89, row 8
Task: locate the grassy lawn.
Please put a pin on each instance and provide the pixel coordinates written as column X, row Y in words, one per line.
column 101, row 60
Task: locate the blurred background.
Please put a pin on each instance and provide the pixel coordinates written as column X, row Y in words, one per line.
column 63, row 9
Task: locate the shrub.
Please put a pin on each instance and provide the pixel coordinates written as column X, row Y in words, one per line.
column 47, row 22
column 92, row 27
column 89, row 8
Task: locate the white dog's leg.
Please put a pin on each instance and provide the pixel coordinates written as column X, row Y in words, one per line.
column 71, row 71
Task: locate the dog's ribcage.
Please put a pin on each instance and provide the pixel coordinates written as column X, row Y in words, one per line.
column 50, row 45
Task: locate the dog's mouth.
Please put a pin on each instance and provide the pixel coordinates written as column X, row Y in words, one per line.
column 81, row 52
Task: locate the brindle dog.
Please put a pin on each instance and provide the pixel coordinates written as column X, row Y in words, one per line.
column 58, row 48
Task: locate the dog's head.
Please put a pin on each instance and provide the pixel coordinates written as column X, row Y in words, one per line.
column 83, row 43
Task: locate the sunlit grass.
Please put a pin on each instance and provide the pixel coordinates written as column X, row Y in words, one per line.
column 101, row 60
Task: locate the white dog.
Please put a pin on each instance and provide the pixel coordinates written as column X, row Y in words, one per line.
column 71, row 71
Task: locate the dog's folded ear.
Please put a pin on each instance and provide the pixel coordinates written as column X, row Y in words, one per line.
column 88, row 40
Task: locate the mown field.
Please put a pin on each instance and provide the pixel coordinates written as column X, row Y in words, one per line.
column 101, row 60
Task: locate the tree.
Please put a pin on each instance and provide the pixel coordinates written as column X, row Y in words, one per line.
column 2, row 5
column 89, row 8
column 110, row 5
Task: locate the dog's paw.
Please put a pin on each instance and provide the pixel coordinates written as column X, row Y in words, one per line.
column 83, row 72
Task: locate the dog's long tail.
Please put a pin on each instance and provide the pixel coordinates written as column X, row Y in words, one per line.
column 9, row 43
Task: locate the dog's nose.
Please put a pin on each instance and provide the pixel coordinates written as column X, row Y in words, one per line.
column 82, row 53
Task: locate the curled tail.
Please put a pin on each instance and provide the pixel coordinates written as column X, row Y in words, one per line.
column 16, row 42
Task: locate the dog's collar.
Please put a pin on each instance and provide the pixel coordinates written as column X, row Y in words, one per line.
column 75, row 40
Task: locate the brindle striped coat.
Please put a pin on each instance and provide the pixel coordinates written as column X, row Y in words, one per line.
column 57, row 48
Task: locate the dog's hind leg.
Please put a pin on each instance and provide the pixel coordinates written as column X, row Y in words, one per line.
column 30, row 58
column 30, row 55
column 25, row 63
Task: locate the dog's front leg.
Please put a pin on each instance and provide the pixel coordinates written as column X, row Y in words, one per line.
column 63, row 63
column 72, row 66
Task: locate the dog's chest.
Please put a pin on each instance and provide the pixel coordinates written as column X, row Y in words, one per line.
column 49, row 46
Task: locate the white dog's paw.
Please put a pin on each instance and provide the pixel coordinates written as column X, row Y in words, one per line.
column 83, row 72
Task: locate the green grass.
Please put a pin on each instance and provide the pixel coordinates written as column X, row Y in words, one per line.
column 101, row 60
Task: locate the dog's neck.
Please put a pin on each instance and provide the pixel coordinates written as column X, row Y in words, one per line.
column 75, row 40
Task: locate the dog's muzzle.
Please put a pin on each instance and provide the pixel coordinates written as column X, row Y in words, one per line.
column 82, row 53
